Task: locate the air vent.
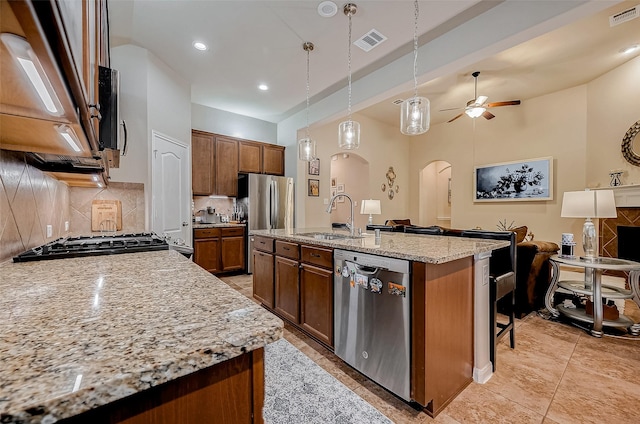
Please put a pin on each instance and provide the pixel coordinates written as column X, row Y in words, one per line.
column 370, row 40
column 398, row 102
column 624, row 16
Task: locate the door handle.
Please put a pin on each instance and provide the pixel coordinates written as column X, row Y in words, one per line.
column 185, row 224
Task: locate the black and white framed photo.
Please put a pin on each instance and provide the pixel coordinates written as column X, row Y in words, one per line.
column 314, row 167
column 524, row 180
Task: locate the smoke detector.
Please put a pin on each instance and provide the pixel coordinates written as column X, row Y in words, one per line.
column 327, row 9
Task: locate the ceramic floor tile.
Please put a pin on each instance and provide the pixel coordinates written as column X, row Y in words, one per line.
column 585, row 396
column 614, row 357
column 392, row 407
column 477, row 404
column 548, row 420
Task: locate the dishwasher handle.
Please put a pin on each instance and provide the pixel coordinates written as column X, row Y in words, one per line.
column 367, row 270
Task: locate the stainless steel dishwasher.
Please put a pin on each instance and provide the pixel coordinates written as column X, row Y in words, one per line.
column 372, row 317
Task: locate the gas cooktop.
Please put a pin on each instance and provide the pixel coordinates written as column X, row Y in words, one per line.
column 73, row 247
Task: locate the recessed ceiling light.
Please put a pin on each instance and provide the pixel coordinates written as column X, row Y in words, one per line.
column 263, row 87
column 200, row 46
column 630, row 49
column 327, row 9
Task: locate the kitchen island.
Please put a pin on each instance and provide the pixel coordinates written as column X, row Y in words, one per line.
column 138, row 336
column 449, row 298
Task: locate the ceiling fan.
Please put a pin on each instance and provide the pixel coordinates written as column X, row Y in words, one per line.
column 477, row 107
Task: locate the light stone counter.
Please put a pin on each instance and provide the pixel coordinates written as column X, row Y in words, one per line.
column 220, row 225
column 415, row 247
column 83, row 332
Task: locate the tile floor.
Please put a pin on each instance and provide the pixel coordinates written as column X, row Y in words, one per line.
column 557, row 374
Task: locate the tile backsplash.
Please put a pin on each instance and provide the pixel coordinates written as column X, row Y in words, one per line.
column 130, row 194
column 29, row 201
column 223, row 206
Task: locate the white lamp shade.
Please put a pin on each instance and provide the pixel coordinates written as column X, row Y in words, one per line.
column 589, row 204
column 415, row 116
column 349, row 135
column 370, row 207
column 306, row 149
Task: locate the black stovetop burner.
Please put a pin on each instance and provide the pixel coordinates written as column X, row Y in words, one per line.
column 73, row 247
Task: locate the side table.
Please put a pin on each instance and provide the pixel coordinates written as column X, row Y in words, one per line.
column 593, row 286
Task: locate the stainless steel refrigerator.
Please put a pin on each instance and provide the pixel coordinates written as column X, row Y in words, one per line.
column 267, row 203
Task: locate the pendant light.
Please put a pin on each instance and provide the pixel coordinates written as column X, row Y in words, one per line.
column 307, row 146
column 414, row 114
column 349, row 130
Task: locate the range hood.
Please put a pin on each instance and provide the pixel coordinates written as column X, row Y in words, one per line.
column 41, row 112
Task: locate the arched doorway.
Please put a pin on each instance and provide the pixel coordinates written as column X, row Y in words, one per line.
column 435, row 194
column 349, row 174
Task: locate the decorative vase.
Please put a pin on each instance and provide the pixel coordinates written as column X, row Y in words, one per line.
column 519, row 186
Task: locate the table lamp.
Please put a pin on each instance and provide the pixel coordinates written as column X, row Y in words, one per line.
column 589, row 204
column 371, row 207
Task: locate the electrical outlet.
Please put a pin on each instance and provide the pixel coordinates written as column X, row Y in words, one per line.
column 49, row 230
column 66, row 225
column 485, row 275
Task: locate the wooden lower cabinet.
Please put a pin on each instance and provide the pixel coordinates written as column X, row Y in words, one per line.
column 219, row 250
column 287, row 293
column 316, row 302
column 263, row 278
column 231, row 392
column 206, row 249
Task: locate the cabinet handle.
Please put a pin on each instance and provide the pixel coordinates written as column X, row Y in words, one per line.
column 315, row 255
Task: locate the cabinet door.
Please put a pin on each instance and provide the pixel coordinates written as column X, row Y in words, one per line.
column 206, row 253
column 263, row 278
column 316, row 302
column 202, row 163
column 249, row 157
column 226, row 158
column 272, row 159
column 232, row 253
column 287, row 289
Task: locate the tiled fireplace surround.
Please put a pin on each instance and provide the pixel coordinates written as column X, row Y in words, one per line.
column 628, row 215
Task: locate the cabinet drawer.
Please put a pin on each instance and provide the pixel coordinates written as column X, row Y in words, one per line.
column 263, row 243
column 229, row 232
column 317, row 256
column 288, row 250
column 206, row 232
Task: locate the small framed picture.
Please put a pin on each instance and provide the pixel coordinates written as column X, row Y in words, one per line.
column 314, row 188
column 314, row 167
column 340, row 188
column 334, row 181
column 333, row 204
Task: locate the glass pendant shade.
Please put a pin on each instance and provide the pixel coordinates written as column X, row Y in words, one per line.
column 415, row 116
column 306, row 149
column 349, row 135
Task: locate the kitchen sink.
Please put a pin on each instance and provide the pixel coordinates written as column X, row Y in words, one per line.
column 329, row 236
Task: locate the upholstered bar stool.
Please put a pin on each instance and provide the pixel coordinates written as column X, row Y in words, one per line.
column 502, row 284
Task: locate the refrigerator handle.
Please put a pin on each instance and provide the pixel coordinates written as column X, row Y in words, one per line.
column 275, row 217
column 271, row 202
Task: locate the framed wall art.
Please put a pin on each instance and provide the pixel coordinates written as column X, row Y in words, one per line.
column 314, row 167
column 524, row 180
column 314, row 188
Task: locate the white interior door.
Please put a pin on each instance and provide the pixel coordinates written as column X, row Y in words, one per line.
column 170, row 184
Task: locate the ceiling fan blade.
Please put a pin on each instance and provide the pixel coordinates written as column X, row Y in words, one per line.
column 451, row 108
column 507, row 103
column 488, row 115
column 481, row 99
column 455, row 117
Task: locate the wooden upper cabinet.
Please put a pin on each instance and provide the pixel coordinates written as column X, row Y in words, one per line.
column 202, row 163
column 272, row 159
column 249, row 157
column 226, row 158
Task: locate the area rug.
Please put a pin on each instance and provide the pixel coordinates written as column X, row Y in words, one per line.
column 299, row 391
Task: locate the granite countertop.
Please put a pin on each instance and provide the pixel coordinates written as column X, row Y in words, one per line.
column 83, row 332
column 220, row 225
column 415, row 247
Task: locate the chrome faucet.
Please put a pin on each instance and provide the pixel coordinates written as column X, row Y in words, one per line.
column 350, row 224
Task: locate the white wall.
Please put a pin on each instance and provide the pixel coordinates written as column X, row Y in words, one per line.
column 152, row 98
column 350, row 170
column 226, row 123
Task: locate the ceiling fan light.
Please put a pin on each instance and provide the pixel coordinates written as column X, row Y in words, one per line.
column 475, row 111
column 349, row 135
column 415, row 116
column 306, row 149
